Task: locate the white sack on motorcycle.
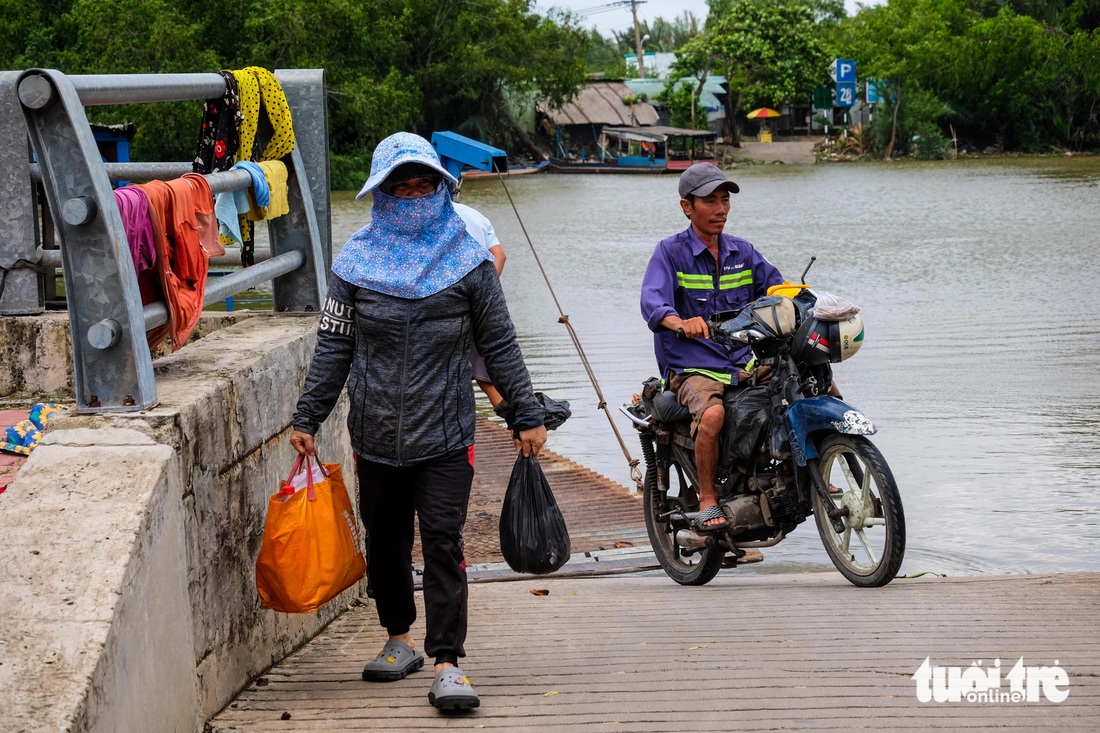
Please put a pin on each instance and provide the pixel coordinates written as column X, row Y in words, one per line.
column 829, row 307
column 533, row 536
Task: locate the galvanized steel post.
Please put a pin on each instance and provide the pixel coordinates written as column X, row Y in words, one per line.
column 112, row 367
column 19, row 291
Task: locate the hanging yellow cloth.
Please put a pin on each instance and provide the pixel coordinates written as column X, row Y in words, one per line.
column 258, row 87
column 276, row 175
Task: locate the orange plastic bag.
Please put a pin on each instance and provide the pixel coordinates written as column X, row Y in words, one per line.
column 311, row 549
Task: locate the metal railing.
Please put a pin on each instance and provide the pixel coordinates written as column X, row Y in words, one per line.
column 112, row 365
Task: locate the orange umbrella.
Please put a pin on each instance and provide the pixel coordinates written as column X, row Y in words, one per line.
column 763, row 113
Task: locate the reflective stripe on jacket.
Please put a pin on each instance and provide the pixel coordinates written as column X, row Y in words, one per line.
column 683, row 279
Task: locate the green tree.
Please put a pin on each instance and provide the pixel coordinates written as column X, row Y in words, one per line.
column 903, row 46
column 390, row 65
column 770, row 53
column 662, row 36
column 132, row 37
column 994, row 71
column 33, row 33
column 681, row 100
column 997, row 72
column 1081, row 15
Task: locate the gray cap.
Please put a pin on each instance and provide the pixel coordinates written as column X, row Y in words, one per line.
column 702, row 178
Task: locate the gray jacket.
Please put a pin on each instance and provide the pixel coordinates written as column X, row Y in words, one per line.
column 407, row 369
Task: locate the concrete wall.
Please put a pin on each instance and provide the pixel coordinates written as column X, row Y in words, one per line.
column 129, row 592
column 36, row 356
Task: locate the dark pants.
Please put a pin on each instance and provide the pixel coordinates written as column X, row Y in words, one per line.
column 438, row 491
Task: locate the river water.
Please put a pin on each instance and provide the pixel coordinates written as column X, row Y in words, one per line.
column 983, row 331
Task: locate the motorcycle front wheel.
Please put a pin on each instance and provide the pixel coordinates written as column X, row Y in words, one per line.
column 869, row 549
column 698, row 568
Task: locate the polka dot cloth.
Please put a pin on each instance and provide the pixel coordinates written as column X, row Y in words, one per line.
column 258, row 86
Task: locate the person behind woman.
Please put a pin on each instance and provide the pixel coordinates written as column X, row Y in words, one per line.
column 408, row 295
column 481, row 229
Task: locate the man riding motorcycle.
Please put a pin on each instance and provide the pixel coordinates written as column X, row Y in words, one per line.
column 691, row 276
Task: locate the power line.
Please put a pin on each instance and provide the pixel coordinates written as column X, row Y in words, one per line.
column 597, row 9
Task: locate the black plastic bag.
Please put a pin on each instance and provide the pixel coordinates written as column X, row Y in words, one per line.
column 533, row 537
column 557, row 411
column 748, row 415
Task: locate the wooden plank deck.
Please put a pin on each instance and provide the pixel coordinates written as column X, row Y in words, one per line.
column 745, row 652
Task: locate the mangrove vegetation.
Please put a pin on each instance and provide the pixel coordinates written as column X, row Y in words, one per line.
column 1001, row 75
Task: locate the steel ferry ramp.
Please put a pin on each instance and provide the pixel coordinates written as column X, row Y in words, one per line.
column 596, row 647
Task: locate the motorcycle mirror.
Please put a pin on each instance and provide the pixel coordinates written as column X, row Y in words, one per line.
column 812, row 259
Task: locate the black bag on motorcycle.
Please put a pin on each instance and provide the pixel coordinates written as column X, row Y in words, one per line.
column 747, row 416
column 533, row 537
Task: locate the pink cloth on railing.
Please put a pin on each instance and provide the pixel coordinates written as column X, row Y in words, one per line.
column 181, row 261
column 133, row 205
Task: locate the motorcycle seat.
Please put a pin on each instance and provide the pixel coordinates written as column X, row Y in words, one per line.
column 667, row 409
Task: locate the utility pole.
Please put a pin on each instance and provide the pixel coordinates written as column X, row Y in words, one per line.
column 637, row 29
column 638, row 37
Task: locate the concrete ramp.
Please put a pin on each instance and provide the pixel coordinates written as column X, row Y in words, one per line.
column 128, row 588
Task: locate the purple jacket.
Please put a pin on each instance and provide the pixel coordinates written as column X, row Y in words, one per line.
column 684, row 280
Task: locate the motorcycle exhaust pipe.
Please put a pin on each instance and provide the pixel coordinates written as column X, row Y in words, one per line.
column 692, row 540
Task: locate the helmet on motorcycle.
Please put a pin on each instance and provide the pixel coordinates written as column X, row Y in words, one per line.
column 766, row 323
column 819, row 342
column 850, row 336
column 774, row 314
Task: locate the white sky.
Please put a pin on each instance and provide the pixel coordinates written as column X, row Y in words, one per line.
column 618, row 18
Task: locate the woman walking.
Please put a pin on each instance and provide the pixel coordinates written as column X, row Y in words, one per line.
column 408, row 295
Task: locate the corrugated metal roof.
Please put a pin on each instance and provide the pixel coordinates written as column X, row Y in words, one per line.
column 659, row 134
column 601, row 103
column 708, row 100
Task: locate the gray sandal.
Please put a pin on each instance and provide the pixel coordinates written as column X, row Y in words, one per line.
column 396, row 660
column 699, row 524
column 452, row 691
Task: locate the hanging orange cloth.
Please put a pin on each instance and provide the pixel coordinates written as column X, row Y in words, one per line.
column 181, row 262
column 205, row 220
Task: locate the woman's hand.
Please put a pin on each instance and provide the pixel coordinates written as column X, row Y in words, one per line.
column 302, row 442
column 531, row 440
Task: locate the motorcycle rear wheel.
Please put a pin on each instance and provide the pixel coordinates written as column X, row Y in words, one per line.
column 870, row 549
column 701, row 566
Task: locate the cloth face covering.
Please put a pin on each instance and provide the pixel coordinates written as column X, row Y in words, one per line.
column 412, row 248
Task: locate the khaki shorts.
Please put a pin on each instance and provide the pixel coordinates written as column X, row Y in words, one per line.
column 696, row 393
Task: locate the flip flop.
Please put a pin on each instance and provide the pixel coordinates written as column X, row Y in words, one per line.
column 396, row 660
column 701, row 519
column 452, row 691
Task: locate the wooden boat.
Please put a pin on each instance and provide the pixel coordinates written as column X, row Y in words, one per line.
column 643, row 150
column 525, row 170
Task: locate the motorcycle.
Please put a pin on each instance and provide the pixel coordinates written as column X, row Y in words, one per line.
column 790, row 448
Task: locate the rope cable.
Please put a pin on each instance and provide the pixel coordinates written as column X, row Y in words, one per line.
column 635, row 473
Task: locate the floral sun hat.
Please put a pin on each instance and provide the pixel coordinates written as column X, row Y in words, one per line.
column 401, row 147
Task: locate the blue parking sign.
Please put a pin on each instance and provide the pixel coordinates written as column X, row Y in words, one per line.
column 843, row 71
column 845, row 94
